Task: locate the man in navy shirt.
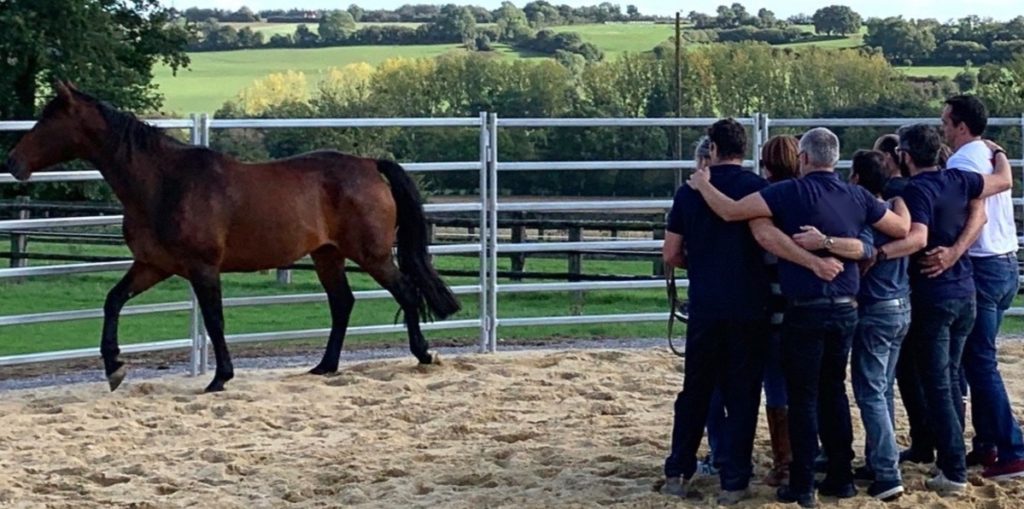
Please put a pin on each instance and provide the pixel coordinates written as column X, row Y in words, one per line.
column 728, row 302
column 821, row 315
column 943, row 304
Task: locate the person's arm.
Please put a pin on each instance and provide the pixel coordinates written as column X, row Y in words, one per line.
column 915, row 241
column 749, row 207
column 893, row 225
column 673, row 251
column 779, row 244
column 941, row 258
column 811, row 239
column 1001, row 178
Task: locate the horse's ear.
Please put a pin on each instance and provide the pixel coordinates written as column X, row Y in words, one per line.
column 62, row 89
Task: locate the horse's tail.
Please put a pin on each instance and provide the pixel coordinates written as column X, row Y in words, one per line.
column 413, row 259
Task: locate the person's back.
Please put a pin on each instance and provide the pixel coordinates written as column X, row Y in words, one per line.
column 834, row 207
column 939, row 199
column 728, row 278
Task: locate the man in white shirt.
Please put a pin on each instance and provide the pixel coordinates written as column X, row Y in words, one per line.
column 998, row 444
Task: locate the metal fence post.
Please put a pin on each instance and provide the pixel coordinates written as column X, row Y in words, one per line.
column 204, row 340
column 195, row 315
column 485, row 157
column 492, row 231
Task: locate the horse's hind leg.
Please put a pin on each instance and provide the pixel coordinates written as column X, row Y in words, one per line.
column 206, row 283
column 330, row 269
column 139, row 278
column 404, row 291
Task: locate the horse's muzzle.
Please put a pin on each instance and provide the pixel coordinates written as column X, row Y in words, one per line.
column 16, row 168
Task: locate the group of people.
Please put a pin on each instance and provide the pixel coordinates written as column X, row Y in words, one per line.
column 910, row 265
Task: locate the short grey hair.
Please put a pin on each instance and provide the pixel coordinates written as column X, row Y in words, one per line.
column 821, row 146
column 702, row 149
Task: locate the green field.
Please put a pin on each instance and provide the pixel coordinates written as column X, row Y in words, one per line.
column 926, row 71
column 215, row 77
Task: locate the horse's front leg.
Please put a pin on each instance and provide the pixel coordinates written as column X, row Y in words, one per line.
column 139, row 278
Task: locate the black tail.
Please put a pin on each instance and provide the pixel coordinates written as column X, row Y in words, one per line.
column 413, row 259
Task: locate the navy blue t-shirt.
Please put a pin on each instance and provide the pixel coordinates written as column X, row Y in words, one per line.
column 725, row 265
column 835, row 208
column 938, row 200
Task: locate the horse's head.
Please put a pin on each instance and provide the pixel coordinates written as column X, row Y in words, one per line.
column 59, row 135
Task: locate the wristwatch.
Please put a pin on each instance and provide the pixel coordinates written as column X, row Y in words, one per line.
column 829, row 242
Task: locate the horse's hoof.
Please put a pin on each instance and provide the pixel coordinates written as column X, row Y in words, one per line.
column 434, row 358
column 322, row 371
column 217, row 385
column 115, row 378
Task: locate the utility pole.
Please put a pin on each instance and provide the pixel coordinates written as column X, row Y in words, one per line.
column 679, row 100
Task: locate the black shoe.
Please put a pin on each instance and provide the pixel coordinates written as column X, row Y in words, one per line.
column 784, row 495
column 982, row 457
column 837, row 490
column 886, row 491
column 863, row 473
column 912, row 456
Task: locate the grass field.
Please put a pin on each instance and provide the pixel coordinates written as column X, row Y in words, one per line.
column 926, row 71
column 215, row 77
column 37, row 295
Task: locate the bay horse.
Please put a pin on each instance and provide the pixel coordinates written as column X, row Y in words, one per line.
column 192, row 212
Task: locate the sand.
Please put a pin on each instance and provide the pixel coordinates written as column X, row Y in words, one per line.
column 538, row 429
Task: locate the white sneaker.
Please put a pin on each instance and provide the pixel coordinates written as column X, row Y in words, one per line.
column 943, row 486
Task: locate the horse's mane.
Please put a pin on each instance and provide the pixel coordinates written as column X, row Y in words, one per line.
column 127, row 133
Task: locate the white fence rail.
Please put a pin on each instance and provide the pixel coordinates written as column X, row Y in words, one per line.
column 487, row 287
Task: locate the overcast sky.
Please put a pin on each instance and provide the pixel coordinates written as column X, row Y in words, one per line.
column 941, row 10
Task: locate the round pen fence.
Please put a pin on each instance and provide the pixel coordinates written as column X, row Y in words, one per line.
column 486, row 204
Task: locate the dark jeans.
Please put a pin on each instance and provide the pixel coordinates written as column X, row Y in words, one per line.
column 876, row 349
column 774, row 378
column 727, row 354
column 815, row 352
column 995, row 278
column 928, row 373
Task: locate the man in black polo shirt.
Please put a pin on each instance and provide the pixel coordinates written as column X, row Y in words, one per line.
column 943, row 305
column 727, row 331
column 821, row 315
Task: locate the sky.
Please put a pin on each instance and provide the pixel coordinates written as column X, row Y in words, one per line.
column 939, row 9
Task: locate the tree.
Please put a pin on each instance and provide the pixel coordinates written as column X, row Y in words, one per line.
column 899, row 39
column 512, row 22
column 454, row 23
column 541, row 14
column 336, row 26
column 966, row 80
column 113, row 58
column 766, row 18
column 304, row 37
column 632, row 11
column 836, row 19
column 356, row 12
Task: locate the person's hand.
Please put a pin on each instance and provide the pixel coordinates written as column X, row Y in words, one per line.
column 993, row 146
column 699, row 179
column 828, row 268
column 939, row 260
column 810, row 238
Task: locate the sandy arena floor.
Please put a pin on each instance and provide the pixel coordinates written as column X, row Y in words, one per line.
column 537, row 429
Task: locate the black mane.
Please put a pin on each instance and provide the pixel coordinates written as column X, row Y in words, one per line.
column 127, row 133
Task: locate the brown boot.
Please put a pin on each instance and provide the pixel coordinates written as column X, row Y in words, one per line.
column 782, row 455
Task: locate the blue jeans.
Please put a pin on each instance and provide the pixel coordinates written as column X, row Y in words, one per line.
column 774, row 378
column 929, row 378
column 994, row 423
column 876, row 348
column 815, row 352
column 729, row 355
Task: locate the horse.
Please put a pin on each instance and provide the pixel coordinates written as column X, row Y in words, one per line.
column 193, row 212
